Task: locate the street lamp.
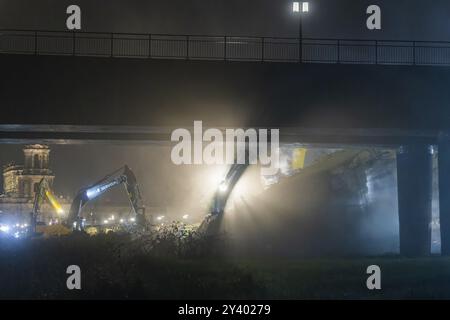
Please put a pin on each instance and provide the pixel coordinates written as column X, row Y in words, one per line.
column 300, row 8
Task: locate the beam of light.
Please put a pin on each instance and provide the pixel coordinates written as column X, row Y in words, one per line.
column 249, row 186
column 4, row 228
column 51, row 198
column 216, row 174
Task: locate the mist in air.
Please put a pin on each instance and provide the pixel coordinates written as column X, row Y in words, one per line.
column 331, row 207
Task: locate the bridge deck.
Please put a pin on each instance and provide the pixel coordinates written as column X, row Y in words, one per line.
column 225, row 48
column 66, row 98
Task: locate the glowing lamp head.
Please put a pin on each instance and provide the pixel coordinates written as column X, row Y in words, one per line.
column 92, row 193
column 305, row 6
column 223, row 187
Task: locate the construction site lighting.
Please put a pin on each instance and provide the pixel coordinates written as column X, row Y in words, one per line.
column 223, row 187
column 300, row 7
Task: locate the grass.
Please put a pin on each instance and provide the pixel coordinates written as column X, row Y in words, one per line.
column 36, row 269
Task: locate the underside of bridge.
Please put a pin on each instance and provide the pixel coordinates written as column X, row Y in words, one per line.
column 84, row 98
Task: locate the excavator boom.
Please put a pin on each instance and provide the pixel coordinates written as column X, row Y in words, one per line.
column 126, row 178
column 42, row 192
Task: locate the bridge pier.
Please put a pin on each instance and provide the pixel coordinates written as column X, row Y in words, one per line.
column 444, row 193
column 414, row 179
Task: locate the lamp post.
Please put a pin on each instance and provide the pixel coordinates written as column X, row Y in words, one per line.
column 300, row 8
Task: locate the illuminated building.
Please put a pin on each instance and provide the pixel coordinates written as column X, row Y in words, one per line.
column 20, row 183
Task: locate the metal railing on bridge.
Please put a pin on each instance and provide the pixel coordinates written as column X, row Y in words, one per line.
column 227, row 48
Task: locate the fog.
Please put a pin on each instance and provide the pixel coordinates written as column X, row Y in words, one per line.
column 319, row 215
column 331, row 207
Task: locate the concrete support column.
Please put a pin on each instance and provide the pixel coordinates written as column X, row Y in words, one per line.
column 414, row 179
column 444, row 194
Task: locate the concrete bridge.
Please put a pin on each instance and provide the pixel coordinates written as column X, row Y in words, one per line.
column 57, row 98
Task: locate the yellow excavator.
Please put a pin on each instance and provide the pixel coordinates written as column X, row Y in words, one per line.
column 42, row 192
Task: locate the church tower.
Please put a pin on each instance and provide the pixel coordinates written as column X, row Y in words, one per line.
column 20, row 181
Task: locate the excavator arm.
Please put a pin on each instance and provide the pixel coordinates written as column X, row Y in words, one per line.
column 122, row 176
column 226, row 187
column 211, row 224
